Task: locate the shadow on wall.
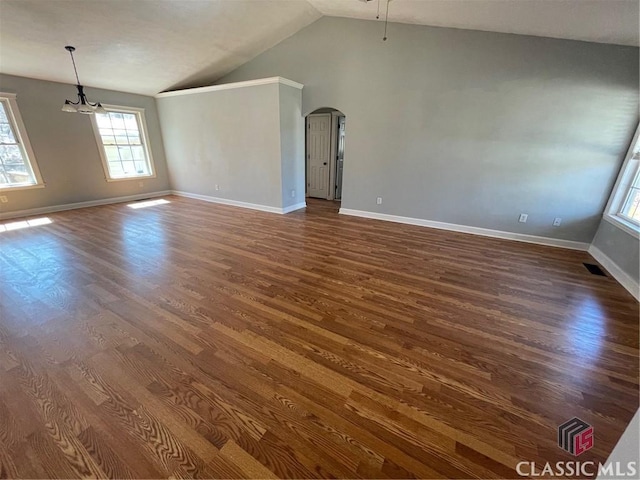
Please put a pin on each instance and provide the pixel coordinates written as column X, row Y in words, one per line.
column 325, row 142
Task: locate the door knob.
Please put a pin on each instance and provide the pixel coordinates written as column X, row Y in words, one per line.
column 324, row 163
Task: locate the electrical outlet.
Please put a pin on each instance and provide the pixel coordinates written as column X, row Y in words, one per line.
column 523, row 218
column 293, row 194
column 4, row 199
column 557, row 222
column 379, row 201
column 217, row 187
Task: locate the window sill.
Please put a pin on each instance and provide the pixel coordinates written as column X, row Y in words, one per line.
column 140, row 177
column 622, row 224
column 21, row 187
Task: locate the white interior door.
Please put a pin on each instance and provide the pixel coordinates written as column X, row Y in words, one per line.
column 318, row 154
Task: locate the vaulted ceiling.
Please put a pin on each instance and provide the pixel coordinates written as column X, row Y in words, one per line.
column 604, row 21
column 147, row 46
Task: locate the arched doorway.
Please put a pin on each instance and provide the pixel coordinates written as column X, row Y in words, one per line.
column 325, row 135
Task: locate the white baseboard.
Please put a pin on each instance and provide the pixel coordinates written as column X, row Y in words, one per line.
column 520, row 237
column 236, row 203
column 616, row 272
column 72, row 206
column 292, row 208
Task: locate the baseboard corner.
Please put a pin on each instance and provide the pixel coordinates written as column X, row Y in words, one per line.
column 293, row 208
column 622, row 277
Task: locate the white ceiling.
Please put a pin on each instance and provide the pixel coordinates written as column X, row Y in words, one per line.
column 147, row 46
column 142, row 46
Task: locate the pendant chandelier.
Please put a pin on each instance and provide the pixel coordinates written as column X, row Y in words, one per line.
column 82, row 105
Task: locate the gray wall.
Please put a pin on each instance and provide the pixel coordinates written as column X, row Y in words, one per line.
column 292, row 145
column 621, row 247
column 468, row 127
column 229, row 138
column 65, row 146
column 626, row 450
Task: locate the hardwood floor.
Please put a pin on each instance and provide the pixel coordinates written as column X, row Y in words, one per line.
column 190, row 339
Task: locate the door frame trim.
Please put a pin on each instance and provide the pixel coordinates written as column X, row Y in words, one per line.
column 333, row 166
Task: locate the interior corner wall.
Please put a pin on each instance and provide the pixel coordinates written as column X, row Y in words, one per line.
column 66, row 150
column 621, row 248
column 292, row 146
column 468, row 127
column 229, row 138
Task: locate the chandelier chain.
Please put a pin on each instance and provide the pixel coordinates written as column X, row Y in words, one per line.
column 386, row 20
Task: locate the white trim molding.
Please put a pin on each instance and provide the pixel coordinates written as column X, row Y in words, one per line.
column 616, row 272
column 485, row 232
column 237, row 203
column 20, row 131
column 624, row 178
column 293, row 208
column 621, row 189
column 229, row 86
column 622, row 224
column 72, row 206
column 144, row 136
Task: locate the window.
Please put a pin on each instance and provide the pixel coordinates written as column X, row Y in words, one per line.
column 122, row 135
column 624, row 205
column 17, row 162
column 631, row 206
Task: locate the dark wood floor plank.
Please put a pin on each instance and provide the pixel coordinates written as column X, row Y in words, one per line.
column 8, row 467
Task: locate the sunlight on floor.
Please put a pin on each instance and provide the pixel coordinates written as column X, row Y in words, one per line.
column 586, row 333
column 34, row 222
column 148, row 203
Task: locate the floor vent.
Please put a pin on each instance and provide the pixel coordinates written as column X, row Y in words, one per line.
column 595, row 269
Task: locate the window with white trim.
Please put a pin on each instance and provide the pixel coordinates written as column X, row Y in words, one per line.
column 122, row 136
column 631, row 205
column 18, row 168
column 624, row 204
